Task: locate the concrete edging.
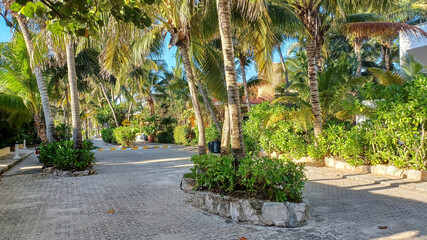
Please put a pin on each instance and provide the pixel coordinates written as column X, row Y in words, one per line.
column 383, row 170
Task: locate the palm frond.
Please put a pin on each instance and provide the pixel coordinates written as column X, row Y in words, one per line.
column 386, row 78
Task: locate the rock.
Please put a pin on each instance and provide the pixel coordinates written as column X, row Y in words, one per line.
column 60, row 173
column 199, row 199
column 298, row 213
column 224, row 207
column 80, row 173
column 188, row 185
column 235, row 211
column 249, row 213
column 48, row 170
column 274, row 213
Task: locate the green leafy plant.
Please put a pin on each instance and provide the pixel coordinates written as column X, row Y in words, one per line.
column 164, row 137
column 62, row 155
column 183, row 135
column 125, row 136
column 264, row 178
column 212, row 134
column 107, row 135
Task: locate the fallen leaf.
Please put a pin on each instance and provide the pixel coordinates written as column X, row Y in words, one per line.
column 243, row 238
column 382, row 227
column 110, row 211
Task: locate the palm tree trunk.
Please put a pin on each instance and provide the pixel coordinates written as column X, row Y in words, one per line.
column 225, row 138
column 109, row 103
column 285, row 70
column 75, row 106
column 387, row 57
column 67, row 121
column 40, row 127
column 236, row 134
column 151, row 105
column 357, row 50
column 314, row 92
column 242, row 62
column 319, row 61
column 183, row 49
column 207, row 104
column 50, row 126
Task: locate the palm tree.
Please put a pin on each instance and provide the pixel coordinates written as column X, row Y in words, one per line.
column 225, row 28
column 50, row 126
column 74, row 95
column 17, row 79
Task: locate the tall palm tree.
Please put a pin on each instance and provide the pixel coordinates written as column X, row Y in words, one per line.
column 50, row 126
column 74, row 95
column 225, row 28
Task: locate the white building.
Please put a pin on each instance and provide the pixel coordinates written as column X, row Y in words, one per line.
column 414, row 45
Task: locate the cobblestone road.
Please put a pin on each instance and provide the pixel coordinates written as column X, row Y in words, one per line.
column 142, row 187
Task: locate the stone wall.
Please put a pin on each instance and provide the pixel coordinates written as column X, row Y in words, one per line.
column 256, row 212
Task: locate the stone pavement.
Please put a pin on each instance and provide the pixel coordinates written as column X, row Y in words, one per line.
column 142, row 187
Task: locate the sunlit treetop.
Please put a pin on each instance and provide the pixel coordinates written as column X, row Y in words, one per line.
column 83, row 17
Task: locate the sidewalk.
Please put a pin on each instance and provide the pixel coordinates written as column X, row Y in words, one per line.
column 7, row 162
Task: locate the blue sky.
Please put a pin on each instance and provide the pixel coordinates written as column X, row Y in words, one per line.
column 169, row 54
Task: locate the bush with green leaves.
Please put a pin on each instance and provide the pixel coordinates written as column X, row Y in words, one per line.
column 107, row 135
column 63, row 156
column 125, row 136
column 183, row 135
column 212, row 133
column 164, row 137
column 264, row 178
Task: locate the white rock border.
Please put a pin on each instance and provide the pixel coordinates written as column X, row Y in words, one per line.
column 60, row 173
column 256, row 212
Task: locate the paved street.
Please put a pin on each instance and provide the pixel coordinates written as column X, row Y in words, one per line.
column 142, row 187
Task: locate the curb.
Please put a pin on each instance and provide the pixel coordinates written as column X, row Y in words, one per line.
column 129, row 148
column 12, row 164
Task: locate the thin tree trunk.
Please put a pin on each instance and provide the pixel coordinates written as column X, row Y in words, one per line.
column 67, row 117
column 86, row 128
column 183, row 49
column 72, row 80
column 109, row 103
column 314, row 92
column 242, row 62
column 207, row 104
column 387, row 56
column 50, row 126
column 357, row 50
column 130, row 105
column 225, row 138
column 285, row 70
column 236, row 134
column 40, row 127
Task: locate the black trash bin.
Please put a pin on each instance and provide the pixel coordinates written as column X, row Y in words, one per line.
column 211, row 147
column 216, row 146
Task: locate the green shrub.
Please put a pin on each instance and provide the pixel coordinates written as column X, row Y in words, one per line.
column 183, row 135
column 212, row 133
column 164, row 137
column 107, row 135
column 125, row 136
column 265, row 178
column 62, row 155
